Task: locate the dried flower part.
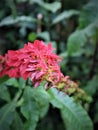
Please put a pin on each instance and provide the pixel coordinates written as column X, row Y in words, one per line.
column 37, row 62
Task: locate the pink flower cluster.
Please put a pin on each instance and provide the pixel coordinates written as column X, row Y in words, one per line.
column 35, row 61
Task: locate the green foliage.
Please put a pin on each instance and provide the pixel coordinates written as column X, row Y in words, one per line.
column 33, row 108
column 88, row 15
column 72, row 113
column 17, row 122
column 75, row 42
column 53, row 7
column 87, row 28
column 80, row 37
column 33, row 102
column 11, row 21
column 4, row 94
column 65, row 15
column 3, row 79
column 71, row 27
column 89, row 87
column 7, row 116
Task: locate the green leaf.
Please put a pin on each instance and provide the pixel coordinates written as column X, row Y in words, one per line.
column 65, row 15
column 18, row 83
column 7, row 115
column 74, row 116
column 88, row 15
column 3, row 79
column 17, row 123
column 33, row 107
column 45, row 35
column 30, row 112
column 76, row 41
column 22, row 83
column 92, row 86
column 12, row 82
column 88, row 24
column 32, row 36
column 11, row 21
column 53, row 7
column 40, row 95
column 4, row 94
column 91, row 29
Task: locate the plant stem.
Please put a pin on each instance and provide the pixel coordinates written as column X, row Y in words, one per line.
column 93, row 66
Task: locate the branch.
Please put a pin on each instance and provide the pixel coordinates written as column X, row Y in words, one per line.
column 93, row 66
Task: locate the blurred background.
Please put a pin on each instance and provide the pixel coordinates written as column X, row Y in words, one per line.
column 71, row 26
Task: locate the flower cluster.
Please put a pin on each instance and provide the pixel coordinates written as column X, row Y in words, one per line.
column 37, row 62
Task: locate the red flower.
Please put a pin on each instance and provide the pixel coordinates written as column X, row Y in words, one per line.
column 35, row 61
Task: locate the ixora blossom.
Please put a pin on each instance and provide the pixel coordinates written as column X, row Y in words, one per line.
column 37, row 62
